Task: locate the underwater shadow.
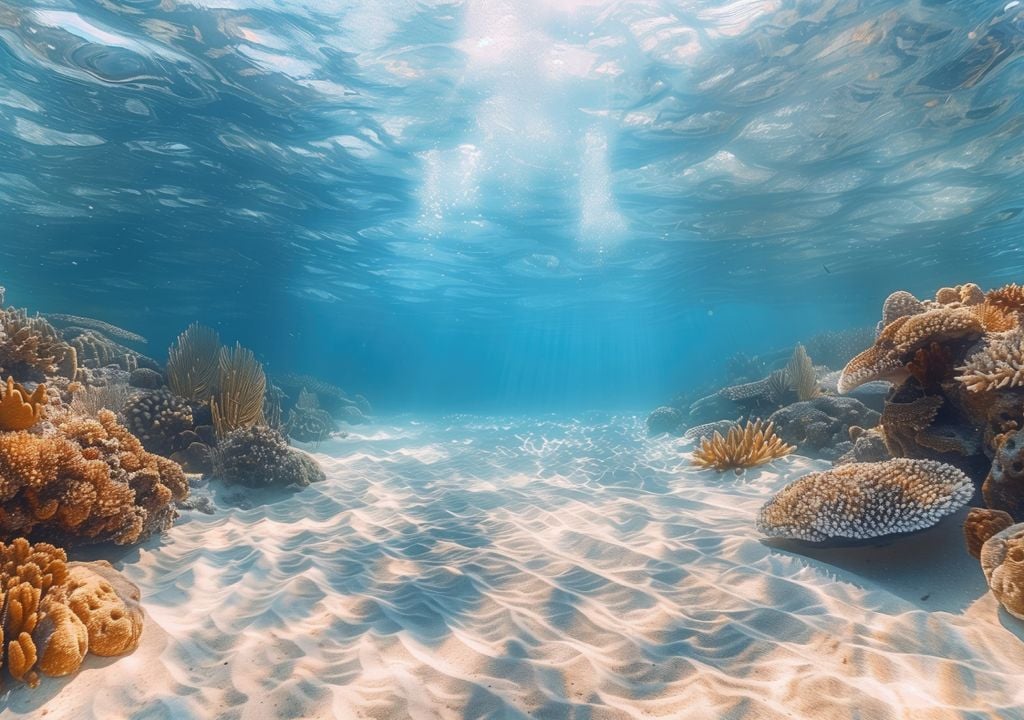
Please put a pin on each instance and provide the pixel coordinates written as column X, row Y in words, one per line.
column 930, row 569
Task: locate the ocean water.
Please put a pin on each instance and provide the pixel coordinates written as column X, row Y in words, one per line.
column 517, row 227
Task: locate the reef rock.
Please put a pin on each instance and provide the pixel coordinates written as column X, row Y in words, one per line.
column 260, row 457
column 866, row 500
column 665, row 419
column 1003, row 488
column 818, row 427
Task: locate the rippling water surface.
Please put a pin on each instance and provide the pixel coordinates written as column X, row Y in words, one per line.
column 493, row 186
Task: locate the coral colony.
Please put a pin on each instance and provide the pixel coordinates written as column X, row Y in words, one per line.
column 945, row 378
column 95, row 440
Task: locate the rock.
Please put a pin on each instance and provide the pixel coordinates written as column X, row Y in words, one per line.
column 665, row 419
column 819, row 426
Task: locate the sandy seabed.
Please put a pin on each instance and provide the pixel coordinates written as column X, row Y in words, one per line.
column 478, row 567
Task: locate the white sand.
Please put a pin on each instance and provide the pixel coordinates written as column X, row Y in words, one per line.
column 529, row 568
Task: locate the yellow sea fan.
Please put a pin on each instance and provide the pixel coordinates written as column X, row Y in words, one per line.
column 744, row 446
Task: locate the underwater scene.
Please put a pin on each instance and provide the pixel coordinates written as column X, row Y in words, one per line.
column 582, row 359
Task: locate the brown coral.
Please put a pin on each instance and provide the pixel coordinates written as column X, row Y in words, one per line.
column 30, row 347
column 1003, row 488
column 54, row 611
column 996, row 319
column 744, row 446
column 92, row 483
column 981, row 524
column 899, row 340
column 966, row 295
column 866, row 500
column 20, row 409
column 999, row 365
column 1002, row 561
column 1008, row 297
column 902, row 421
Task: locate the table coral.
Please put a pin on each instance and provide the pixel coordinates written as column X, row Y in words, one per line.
column 866, row 500
column 895, row 347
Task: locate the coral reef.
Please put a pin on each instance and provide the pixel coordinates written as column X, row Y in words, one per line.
column 821, row 426
column 146, row 379
column 1003, row 488
column 899, row 304
column 307, row 422
column 744, row 446
column 260, row 457
column 20, row 409
column 980, row 525
column 55, row 612
column 96, row 350
column 898, row 342
column 31, row 348
column 998, row 365
column 866, row 500
column 868, row 445
column 99, row 325
column 1002, row 561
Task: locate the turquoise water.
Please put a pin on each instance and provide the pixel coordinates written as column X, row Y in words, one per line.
column 502, row 206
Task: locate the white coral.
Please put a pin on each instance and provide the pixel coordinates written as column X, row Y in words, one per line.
column 1000, row 364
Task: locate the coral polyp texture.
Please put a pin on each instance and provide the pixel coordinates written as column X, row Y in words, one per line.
column 900, row 304
column 91, row 482
column 260, row 457
column 1002, row 561
column 19, row 408
column 895, row 346
column 55, row 612
column 865, row 500
column 1008, row 297
column 999, row 365
column 743, row 446
column 30, row 348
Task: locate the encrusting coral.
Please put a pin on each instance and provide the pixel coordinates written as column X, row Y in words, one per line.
column 866, row 500
column 54, row 612
column 744, row 446
column 20, row 409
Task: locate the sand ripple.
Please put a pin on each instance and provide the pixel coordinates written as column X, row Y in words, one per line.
column 532, row 568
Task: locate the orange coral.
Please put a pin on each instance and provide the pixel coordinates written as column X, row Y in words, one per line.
column 1008, row 297
column 744, row 446
column 20, row 409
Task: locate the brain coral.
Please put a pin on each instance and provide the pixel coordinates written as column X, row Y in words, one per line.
column 899, row 340
column 865, row 500
column 157, row 419
column 1002, row 561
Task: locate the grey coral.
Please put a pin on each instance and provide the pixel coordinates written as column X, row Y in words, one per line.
column 865, row 500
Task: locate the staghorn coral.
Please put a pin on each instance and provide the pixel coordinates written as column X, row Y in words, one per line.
column 30, row 348
column 20, row 409
column 1002, row 561
column 899, row 340
column 800, row 372
column 93, row 324
column 49, row 623
column 193, row 362
column 900, row 304
column 260, row 457
column 865, row 500
column 242, row 386
column 980, row 525
column 158, row 419
column 998, row 365
column 744, row 446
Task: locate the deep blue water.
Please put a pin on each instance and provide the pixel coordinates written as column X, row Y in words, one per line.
column 532, row 205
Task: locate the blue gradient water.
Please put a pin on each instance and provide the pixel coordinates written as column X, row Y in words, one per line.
column 511, row 206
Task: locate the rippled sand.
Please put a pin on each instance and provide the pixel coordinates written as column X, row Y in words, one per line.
column 532, row 568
